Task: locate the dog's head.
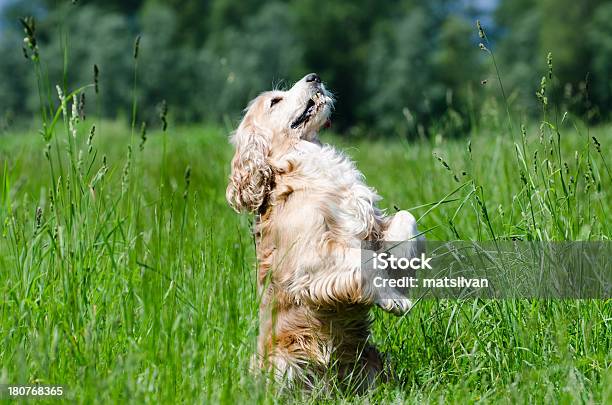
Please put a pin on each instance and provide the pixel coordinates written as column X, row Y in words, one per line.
column 273, row 118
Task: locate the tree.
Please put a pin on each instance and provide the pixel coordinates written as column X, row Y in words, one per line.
column 192, row 23
column 335, row 37
column 520, row 59
column 262, row 53
column 599, row 37
column 92, row 37
column 530, row 30
column 413, row 74
column 13, row 93
column 400, row 81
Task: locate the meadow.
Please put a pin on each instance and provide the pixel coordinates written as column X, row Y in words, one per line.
column 125, row 276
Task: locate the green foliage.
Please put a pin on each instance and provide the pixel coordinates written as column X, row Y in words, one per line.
column 413, row 78
column 257, row 57
column 125, row 281
column 397, row 72
column 599, row 36
column 335, row 36
column 520, row 55
column 12, row 92
column 126, row 277
column 575, row 33
column 192, row 20
column 403, row 68
column 86, row 42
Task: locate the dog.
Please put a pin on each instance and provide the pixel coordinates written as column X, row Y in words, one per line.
column 313, row 211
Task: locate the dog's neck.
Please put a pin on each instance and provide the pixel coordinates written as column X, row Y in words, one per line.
column 288, row 144
column 283, row 150
column 312, row 136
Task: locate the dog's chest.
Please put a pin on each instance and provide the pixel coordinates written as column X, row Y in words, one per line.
column 327, row 179
column 324, row 166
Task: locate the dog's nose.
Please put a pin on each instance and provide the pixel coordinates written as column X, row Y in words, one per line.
column 313, row 77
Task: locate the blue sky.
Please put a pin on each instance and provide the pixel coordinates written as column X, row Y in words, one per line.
column 486, row 5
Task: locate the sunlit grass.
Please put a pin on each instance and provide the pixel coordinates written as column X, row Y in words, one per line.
column 125, row 276
column 145, row 291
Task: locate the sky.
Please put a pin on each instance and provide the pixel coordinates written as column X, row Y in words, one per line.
column 486, row 5
column 4, row 3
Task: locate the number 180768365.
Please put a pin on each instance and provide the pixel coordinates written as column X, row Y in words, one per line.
column 13, row 391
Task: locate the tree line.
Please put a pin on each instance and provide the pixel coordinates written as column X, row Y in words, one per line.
column 405, row 67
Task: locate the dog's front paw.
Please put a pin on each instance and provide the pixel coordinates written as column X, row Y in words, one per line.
column 397, row 306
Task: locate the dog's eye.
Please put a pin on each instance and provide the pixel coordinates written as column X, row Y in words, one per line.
column 275, row 100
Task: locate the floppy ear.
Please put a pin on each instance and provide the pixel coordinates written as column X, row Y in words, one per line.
column 251, row 173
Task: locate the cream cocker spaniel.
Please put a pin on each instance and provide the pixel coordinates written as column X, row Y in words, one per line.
column 313, row 211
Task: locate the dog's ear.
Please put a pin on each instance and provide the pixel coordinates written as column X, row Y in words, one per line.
column 251, row 173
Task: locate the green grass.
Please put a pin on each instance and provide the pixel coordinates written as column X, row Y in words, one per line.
column 125, row 277
column 142, row 287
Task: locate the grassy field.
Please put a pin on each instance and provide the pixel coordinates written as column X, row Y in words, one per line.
column 125, row 277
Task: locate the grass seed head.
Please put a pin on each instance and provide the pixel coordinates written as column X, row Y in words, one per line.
column 96, row 77
column 523, row 178
column 82, row 107
column 541, row 94
column 143, row 135
column 597, row 144
column 125, row 178
column 163, row 112
column 446, row 166
column 481, row 32
column 136, row 46
column 74, row 116
column 50, row 198
column 549, row 63
column 30, row 48
column 483, row 208
column 38, row 217
column 92, row 132
column 187, row 181
column 60, row 95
